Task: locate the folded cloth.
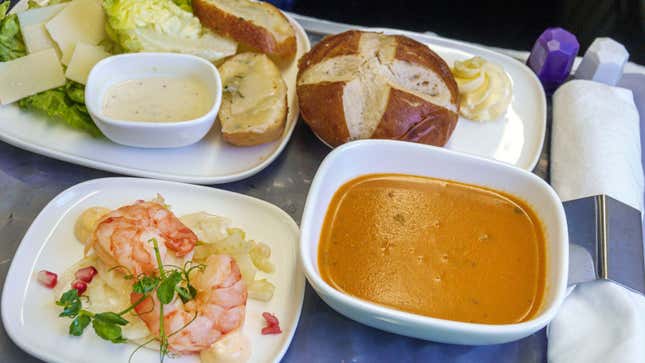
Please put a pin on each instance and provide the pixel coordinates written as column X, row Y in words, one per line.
column 636, row 83
column 595, row 147
column 581, row 267
column 600, row 321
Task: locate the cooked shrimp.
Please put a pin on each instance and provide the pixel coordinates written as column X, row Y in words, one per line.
column 217, row 309
column 122, row 237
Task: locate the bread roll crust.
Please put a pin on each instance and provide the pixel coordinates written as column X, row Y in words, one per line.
column 245, row 31
column 422, row 104
column 322, row 106
column 332, row 46
column 410, row 118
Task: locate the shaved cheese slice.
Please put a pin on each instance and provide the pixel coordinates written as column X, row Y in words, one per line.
column 37, row 38
column 39, row 15
column 32, row 26
column 83, row 60
column 81, row 21
column 29, row 75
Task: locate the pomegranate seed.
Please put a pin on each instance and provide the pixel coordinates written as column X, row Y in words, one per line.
column 86, row 274
column 273, row 324
column 270, row 319
column 79, row 286
column 47, row 278
column 271, row 330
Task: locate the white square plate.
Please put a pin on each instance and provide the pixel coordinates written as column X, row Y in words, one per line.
column 31, row 318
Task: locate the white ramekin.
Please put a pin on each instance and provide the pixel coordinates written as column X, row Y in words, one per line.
column 124, row 67
column 381, row 156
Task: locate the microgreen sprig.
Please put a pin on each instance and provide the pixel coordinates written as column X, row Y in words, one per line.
column 167, row 282
column 106, row 325
column 174, row 281
column 163, row 344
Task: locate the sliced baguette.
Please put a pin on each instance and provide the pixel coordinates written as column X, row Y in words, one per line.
column 254, row 101
column 258, row 26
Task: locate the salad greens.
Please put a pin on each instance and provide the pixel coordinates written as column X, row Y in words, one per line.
column 11, row 44
column 66, row 103
column 162, row 26
column 128, row 19
column 184, row 4
column 132, row 26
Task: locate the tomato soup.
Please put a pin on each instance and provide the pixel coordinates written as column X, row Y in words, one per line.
column 434, row 247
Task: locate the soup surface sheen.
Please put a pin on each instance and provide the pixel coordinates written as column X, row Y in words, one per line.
column 434, row 247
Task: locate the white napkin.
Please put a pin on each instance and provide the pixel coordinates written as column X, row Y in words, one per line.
column 600, row 321
column 636, row 83
column 595, row 147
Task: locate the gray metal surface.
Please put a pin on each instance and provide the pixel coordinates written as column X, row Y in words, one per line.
column 29, row 181
column 620, row 258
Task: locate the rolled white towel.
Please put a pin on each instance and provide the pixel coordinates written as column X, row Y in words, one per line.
column 600, row 321
column 595, row 147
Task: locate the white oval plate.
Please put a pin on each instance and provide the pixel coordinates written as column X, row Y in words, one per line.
column 210, row 161
column 28, row 311
column 517, row 137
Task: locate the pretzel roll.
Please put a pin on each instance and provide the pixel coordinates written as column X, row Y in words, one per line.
column 360, row 85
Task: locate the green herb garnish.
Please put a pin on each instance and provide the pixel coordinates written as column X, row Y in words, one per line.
column 79, row 324
column 145, row 285
column 106, row 325
column 71, row 303
column 166, row 283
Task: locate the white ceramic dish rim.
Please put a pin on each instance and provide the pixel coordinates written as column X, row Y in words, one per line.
column 409, row 318
column 22, row 249
column 429, row 40
column 207, row 117
column 127, row 170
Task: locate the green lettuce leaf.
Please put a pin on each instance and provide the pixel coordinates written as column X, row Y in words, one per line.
column 11, row 44
column 66, row 103
column 162, row 26
column 184, row 4
column 4, row 8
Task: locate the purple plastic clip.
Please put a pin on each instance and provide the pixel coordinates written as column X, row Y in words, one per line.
column 552, row 57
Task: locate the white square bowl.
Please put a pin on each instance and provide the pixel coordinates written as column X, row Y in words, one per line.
column 381, row 156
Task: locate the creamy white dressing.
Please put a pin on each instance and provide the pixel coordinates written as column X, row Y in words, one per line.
column 157, row 99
